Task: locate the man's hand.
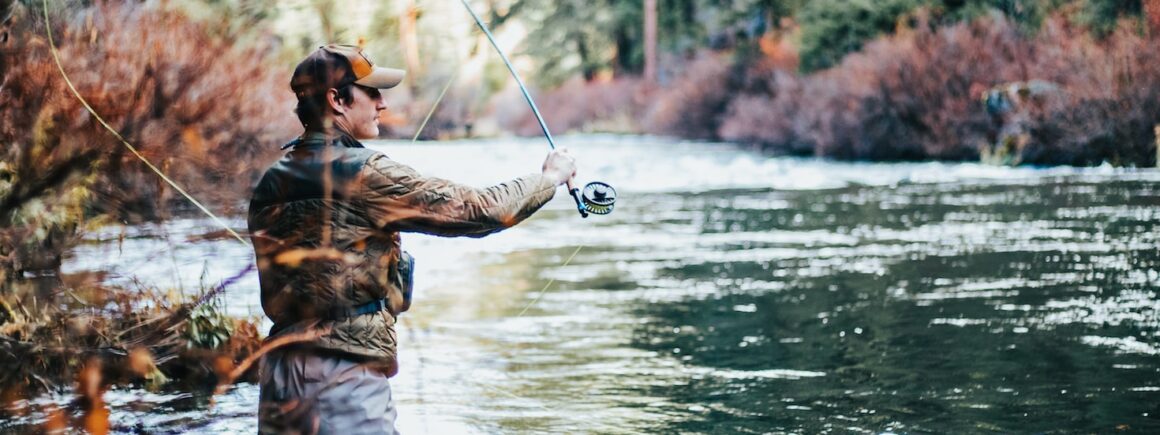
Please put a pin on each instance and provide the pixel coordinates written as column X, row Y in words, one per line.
column 560, row 167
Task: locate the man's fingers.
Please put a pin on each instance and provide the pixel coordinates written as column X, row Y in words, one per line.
column 562, row 166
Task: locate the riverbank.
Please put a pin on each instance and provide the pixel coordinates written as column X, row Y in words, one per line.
column 985, row 90
column 981, row 91
column 80, row 345
column 79, row 332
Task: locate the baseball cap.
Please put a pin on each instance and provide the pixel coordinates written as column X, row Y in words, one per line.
column 335, row 66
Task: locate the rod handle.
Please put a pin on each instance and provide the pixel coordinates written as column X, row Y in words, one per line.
column 579, row 205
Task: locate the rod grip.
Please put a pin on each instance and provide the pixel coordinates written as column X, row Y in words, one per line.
column 579, row 204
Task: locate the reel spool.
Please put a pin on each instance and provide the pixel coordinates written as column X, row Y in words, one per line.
column 597, row 198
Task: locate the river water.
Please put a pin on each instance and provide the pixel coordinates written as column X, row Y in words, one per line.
column 730, row 292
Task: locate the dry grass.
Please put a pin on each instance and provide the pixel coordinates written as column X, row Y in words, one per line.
column 104, row 337
column 136, row 335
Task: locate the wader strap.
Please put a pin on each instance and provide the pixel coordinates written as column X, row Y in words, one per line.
column 344, row 313
column 358, row 310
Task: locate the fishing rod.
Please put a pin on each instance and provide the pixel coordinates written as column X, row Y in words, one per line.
column 597, row 197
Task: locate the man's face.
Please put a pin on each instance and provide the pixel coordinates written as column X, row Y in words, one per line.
column 362, row 114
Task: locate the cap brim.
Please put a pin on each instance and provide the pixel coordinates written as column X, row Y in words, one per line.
column 382, row 78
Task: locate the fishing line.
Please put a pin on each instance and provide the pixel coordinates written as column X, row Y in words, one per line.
column 599, row 201
column 403, row 320
column 598, row 198
column 602, row 200
column 549, row 284
column 132, row 149
column 545, row 408
column 603, row 196
column 416, row 138
column 433, row 106
column 524, row 89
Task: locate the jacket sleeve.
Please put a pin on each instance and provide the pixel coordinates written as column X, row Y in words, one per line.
column 399, row 198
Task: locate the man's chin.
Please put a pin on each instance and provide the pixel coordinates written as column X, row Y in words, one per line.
column 369, row 133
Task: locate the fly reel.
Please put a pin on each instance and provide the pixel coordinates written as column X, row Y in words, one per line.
column 597, row 198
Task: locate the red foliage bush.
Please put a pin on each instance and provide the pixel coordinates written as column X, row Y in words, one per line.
column 694, row 104
column 910, row 96
column 577, row 105
column 917, row 95
column 756, row 118
column 1112, row 101
column 207, row 110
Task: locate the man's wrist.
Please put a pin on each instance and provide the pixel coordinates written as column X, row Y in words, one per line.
column 556, row 177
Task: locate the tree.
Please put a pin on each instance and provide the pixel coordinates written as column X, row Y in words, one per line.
column 650, row 40
column 569, row 37
column 833, row 28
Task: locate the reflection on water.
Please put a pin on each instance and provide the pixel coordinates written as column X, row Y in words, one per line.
column 734, row 293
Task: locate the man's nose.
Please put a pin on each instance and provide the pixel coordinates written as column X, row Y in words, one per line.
column 380, row 105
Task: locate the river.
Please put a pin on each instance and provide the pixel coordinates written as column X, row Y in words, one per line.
column 731, row 292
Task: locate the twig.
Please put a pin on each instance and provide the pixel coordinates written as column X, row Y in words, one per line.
column 222, row 286
column 48, row 386
column 284, row 340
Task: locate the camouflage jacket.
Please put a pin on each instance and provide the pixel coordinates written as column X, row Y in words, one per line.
column 325, row 222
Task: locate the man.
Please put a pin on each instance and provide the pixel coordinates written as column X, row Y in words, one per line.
column 325, row 222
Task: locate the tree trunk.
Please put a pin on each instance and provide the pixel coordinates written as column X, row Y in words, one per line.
column 325, row 9
column 587, row 67
column 650, row 41
column 408, row 36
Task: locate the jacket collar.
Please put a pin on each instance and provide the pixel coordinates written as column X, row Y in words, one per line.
column 317, row 138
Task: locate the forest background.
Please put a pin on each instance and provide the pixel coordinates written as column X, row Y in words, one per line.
column 200, row 87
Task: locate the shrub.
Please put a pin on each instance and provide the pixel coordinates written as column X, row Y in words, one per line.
column 1112, row 103
column 909, row 96
column 143, row 335
column 208, row 112
column 694, row 104
column 755, row 118
column 577, row 105
column 916, row 95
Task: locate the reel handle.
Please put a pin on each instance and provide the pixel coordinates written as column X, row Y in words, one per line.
column 579, row 204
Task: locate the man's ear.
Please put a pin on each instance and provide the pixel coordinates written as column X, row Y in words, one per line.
column 334, row 101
